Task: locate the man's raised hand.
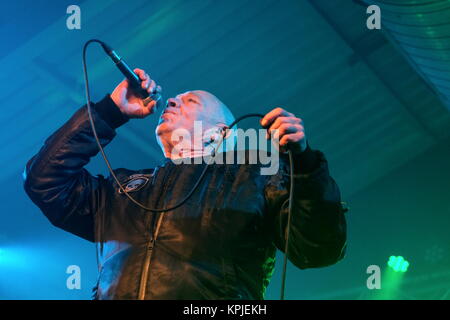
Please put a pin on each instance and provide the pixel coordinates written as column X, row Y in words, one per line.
column 131, row 105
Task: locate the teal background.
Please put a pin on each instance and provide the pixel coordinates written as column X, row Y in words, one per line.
column 383, row 129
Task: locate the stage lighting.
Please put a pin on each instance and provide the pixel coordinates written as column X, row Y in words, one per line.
column 398, row 264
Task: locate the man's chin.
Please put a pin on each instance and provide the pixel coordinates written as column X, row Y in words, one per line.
column 163, row 127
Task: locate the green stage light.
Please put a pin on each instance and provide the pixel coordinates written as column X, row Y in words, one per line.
column 398, row 264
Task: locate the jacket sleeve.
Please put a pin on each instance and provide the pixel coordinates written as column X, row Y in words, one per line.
column 318, row 227
column 55, row 178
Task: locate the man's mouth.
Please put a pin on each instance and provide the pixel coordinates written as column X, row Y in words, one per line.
column 170, row 110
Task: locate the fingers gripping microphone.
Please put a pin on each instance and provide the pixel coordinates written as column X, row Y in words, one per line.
column 133, row 79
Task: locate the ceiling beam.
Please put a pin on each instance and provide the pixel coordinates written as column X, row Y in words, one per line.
column 362, row 53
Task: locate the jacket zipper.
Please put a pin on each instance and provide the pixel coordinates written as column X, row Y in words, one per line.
column 149, row 250
column 148, row 258
column 145, row 270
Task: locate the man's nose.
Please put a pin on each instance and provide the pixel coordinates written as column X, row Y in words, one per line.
column 172, row 102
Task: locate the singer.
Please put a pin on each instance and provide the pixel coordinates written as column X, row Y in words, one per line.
column 221, row 243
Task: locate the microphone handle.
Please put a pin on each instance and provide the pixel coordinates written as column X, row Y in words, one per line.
column 133, row 79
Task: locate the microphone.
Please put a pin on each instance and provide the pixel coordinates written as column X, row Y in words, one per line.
column 133, row 79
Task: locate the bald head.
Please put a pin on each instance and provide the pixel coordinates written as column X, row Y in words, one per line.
column 216, row 110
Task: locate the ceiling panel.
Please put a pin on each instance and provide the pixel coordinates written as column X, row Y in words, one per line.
column 366, row 109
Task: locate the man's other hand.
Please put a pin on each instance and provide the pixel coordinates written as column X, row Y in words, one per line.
column 131, row 105
column 286, row 128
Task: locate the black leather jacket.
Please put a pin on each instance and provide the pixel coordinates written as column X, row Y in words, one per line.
column 220, row 244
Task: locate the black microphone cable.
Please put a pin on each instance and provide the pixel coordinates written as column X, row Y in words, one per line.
column 108, row 164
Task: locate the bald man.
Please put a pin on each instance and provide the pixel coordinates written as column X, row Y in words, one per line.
column 221, row 243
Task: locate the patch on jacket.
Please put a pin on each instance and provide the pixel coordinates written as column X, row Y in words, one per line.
column 135, row 182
